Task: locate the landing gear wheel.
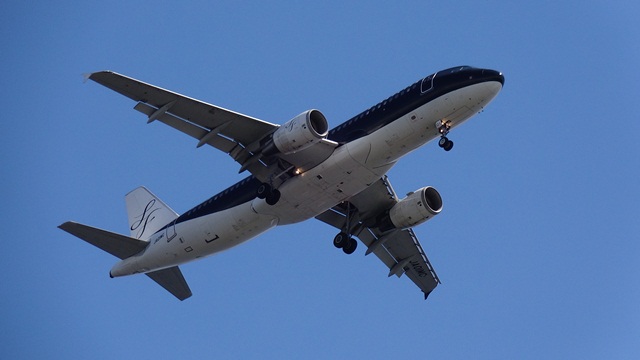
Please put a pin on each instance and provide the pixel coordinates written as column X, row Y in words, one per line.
column 273, row 197
column 350, row 247
column 341, row 240
column 448, row 146
column 266, row 191
column 445, row 143
column 263, row 190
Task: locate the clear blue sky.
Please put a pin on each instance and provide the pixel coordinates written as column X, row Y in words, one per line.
column 537, row 246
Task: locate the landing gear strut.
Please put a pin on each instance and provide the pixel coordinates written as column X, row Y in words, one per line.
column 443, row 128
column 266, row 191
column 344, row 240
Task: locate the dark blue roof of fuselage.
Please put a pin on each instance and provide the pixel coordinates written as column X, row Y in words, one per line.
column 365, row 123
column 410, row 98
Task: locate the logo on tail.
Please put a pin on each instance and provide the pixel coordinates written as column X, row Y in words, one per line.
column 147, row 213
column 144, row 219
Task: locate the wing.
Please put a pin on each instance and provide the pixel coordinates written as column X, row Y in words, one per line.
column 399, row 250
column 238, row 135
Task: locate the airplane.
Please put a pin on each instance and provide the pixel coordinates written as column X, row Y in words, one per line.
column 298, row 171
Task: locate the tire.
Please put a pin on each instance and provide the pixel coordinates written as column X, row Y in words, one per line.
column 341, row 240
column 273, row 197
column 263, row 190
column 350, row 247
column 448, row 146
column 443, row 142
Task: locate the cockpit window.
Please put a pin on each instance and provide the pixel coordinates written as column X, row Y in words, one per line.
column 427, row 83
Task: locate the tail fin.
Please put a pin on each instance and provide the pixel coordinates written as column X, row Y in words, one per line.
column 147, row 213
column 123, row 247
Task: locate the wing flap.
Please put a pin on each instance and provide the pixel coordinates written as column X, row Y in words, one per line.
column 197, row 132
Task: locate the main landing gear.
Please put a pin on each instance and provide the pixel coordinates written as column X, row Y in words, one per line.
column 443, row 128
column 345, row 242
column 266, row 191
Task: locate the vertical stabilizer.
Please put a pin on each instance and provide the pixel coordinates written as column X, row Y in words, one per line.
column 147, row 214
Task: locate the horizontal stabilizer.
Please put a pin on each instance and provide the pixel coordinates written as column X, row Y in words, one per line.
column 115, row 244
column 123, row 247
column 172, row 280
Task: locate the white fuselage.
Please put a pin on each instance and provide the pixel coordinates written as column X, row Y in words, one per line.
column 348, row 171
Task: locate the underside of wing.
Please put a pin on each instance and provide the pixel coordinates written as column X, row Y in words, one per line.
column 241, row 136
column 398, row 249
column 242, row 128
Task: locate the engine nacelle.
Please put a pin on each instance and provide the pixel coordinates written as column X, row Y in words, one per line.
column 301, row 132
column 416, row 208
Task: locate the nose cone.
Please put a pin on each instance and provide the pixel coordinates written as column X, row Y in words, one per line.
column 493, row 75
column 462, row 76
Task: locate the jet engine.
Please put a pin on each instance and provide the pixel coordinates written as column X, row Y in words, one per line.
column 418, row 207
column 300, row 132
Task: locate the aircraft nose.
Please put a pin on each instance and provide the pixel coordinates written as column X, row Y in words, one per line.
column 493, row 75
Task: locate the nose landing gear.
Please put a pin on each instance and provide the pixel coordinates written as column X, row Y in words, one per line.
column 445, row 143
column 443, row 128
